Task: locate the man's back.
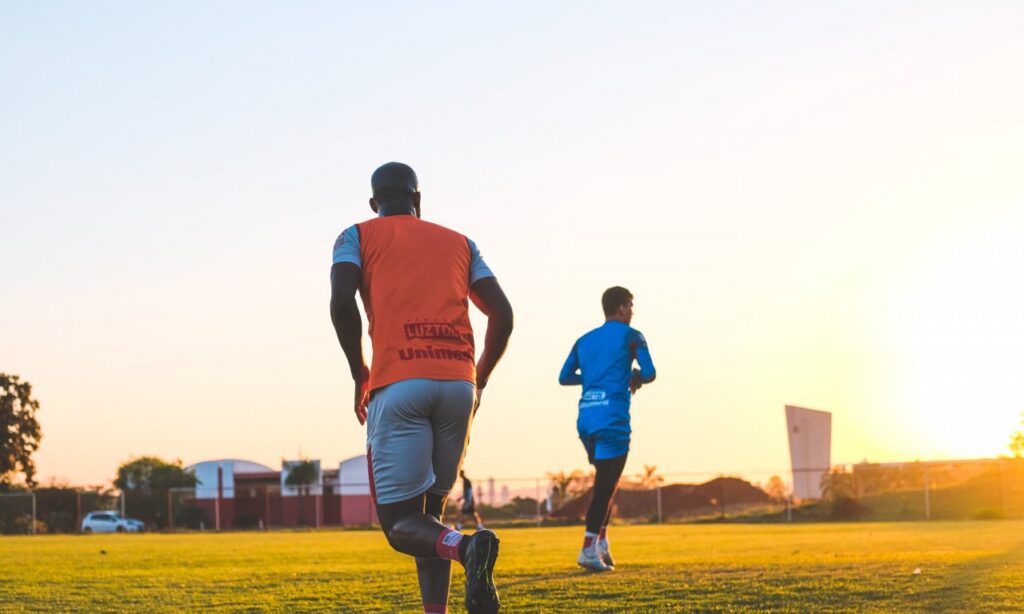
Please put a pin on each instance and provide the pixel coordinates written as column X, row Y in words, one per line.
column 415, row 287
column 422, row 391
column 605, row 358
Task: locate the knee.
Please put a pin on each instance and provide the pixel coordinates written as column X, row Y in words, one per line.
column 397, row 534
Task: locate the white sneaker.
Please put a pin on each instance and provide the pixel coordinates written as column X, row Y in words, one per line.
column 605, row 553
column 591, row 561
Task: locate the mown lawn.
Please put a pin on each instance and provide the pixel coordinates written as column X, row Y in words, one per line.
column 964, row 566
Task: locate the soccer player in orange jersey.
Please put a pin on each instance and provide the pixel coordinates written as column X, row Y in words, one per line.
column 419, row 395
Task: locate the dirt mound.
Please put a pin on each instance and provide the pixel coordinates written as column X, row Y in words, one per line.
column 676, row 499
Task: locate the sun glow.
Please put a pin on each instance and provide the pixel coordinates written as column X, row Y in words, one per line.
column 963, row 331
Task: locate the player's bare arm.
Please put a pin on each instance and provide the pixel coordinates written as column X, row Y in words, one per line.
column 348, row 325
column 488, row 296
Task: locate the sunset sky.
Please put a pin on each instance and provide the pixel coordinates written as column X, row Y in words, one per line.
column 817, row 204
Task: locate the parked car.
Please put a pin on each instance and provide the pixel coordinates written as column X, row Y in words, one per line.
column 137, row 526
column 110, row 522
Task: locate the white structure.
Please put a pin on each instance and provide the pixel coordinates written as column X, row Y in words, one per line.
column 316, row 488
column 206, row 475
column 353, row 477
column 810, row 449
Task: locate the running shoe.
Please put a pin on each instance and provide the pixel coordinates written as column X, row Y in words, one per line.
column 592, row 561
column 606, row 554
column 481, row 553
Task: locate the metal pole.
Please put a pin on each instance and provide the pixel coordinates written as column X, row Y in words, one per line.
column 220, row 493
column 721, row 493
column 170, row 509
column 927, row 496
column 658, row 488
column 78, row 510
column 789, row 508
column 536, row 486
column 266, row 508
column 33, row 512
column 122, row 504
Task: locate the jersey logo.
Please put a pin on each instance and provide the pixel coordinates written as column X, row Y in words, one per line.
column 594, row 395
column 435, row 354
column 431, row 330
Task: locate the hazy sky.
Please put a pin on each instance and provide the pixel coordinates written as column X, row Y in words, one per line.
column 818, row 204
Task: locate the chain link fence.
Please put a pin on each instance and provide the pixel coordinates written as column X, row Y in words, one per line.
column 953, row 490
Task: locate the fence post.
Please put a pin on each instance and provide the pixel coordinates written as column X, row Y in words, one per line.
column 927, row 496
column 170, row 509
column 789, row 508
column 122, row 504
column 33, row 512
column 721, row 493
column 536, row 492
column 78, row 510
column 266, row 508
column 658, row 489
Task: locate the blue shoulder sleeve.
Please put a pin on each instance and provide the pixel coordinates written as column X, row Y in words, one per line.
column 478, row 269
column 642, row 355
column 346, row 247
column 570, row 370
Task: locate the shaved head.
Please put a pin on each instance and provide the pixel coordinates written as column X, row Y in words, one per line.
column 394, row 180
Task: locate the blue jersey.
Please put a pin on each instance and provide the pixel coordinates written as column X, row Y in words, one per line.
column 602, row 361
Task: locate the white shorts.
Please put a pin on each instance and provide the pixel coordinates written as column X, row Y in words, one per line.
column 416, row 436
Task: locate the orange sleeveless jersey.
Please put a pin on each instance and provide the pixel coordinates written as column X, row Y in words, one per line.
column 415, row 290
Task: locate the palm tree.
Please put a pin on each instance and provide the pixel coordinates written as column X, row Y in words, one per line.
column 301, row 475
column 568, row 486
column 649, row 478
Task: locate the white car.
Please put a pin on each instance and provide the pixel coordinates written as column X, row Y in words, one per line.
column 109, row 522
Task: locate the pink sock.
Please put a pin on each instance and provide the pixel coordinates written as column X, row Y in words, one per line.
column 447, row 545
column 589, row 539
column 435, row 608
column 603, row 535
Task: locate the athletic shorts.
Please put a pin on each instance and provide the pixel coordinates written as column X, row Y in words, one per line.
column 605, row 444
column 416, row 436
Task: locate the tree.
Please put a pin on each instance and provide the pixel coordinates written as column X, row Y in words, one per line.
column 650, row 478
column 837, row 484
column 776, row 488
column 19, row 430
column 301, row 475
column 567, row 486
column 145, row 483
column 1016, row 444
column 149, row 473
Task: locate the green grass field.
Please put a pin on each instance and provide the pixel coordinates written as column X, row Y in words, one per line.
column 964, row 566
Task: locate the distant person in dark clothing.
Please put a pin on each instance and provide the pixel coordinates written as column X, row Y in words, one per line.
column 468, row 504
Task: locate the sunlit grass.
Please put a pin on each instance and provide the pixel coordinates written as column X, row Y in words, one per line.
column 968, row 566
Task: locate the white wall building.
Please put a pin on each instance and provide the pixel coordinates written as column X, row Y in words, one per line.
column 810, row 449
